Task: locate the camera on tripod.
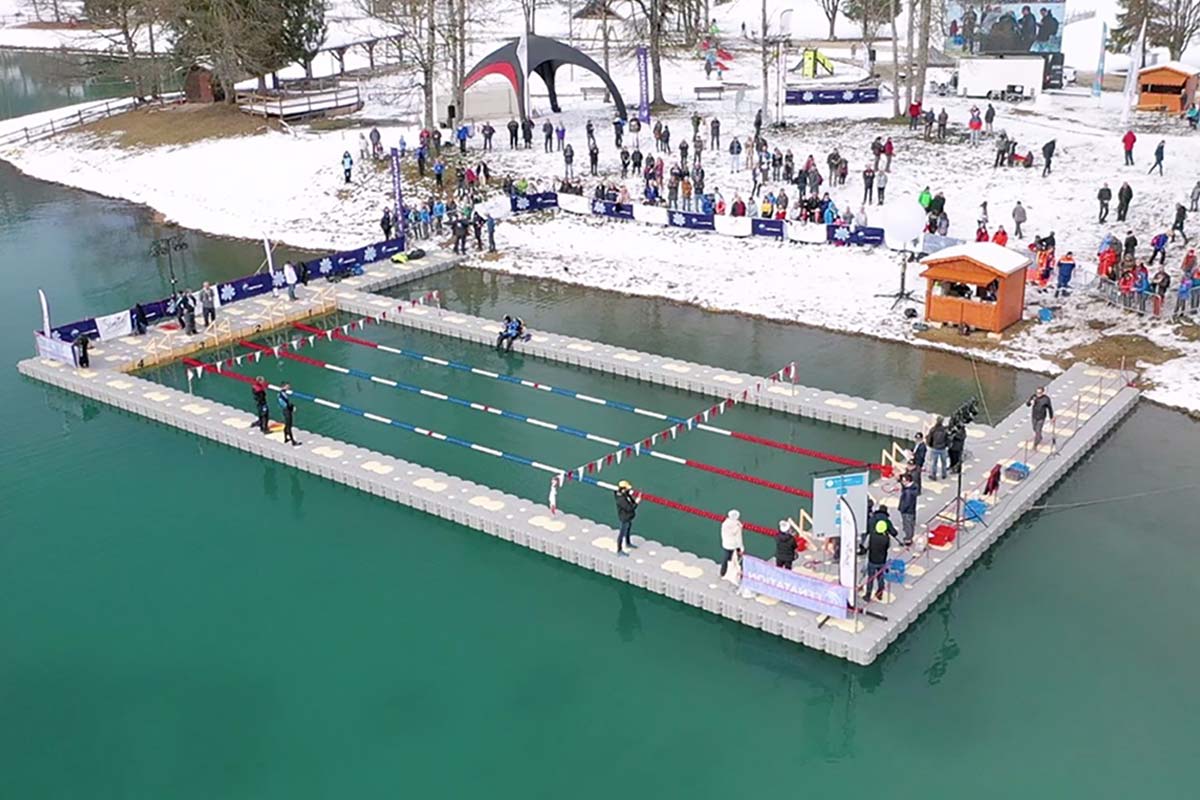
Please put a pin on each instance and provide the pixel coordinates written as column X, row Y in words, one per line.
column 965, row 414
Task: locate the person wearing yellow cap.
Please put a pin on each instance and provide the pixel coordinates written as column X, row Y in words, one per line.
column 878, row 541
column 627, row 503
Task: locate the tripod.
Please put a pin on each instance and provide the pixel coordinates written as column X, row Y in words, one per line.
column 904, row 293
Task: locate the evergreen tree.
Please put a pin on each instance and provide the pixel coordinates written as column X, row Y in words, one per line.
column 1129, row 23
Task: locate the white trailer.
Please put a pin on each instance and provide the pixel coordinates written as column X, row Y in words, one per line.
column 1001, row 77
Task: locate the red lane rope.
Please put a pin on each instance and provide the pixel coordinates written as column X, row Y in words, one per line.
column 700, row 512
column 741, row 476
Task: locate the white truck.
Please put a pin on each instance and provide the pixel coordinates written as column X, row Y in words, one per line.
column 1001, row 77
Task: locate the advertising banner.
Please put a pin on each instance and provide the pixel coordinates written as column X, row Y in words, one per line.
column 805, row 97
column 848, row 558
column 991, row 28
column 643, row 85
column 686, row 219
column 114, row 326
column 533, row 202
column 814, row 594
column 827, row 489
column 767, row 227
column 56, row 349
column 604, row 208
column 841, row 234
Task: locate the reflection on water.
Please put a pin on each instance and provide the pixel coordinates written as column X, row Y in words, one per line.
column 31, row 82
column 925, row 379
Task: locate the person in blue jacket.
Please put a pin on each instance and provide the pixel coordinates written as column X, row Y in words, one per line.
column 462, row 139
column 511, row 330
column 1159, row 247
column 289, row 412
column 439, row 212
column 347, row 165
column 831, row 214
column 1066, row 268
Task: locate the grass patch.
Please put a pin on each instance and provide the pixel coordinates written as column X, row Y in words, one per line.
column 1190, row 333
column 1097, row 325
column 179, row 125
column 1112, row 351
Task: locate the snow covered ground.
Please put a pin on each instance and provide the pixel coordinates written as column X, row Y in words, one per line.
column 289, row 186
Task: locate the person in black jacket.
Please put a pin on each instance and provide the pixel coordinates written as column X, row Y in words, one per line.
column 258, row 390
column 917, row 463
column 958, row 440
column 1048, row 155
column 289, row 413
column 1042, row 408
column 1105, row 197
column 878, row 542
column 907, row 509
column 627, row 503
column 785, row 544
column 512, row 134
column 1124, row 198
column 939, row 442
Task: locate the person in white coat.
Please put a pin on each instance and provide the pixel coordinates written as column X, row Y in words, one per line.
column 731, row 539
column 291, row 279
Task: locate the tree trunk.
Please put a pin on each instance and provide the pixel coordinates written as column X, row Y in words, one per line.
column 923, row 49
column 427, row 65
column 895, row 62
column 765, row 101
column 460, row 91
column 604, row 29
column 832, row 23
column 908, row 55
column 656, row 31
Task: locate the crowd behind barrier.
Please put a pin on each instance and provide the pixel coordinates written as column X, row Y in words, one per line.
column 792, row 230
column 1174, row 303
column 333, row 265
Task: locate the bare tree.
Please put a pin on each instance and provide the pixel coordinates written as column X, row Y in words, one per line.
column 1177, row 25
column 830, row 7
column 529, row 13
column 894, row 12
column 908, row 53
column 923, row 49
column 417, row 40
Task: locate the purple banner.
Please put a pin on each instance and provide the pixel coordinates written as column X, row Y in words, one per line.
column 643, row 85
column 795, row 589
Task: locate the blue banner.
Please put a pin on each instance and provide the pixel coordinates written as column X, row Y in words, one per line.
column 253, row 285
column 398, row 195
column 767, row 227
column 691, row 221
column 864, row 237
column 803, row 97
column 533, row 202
column 603, row 208
column 798, row 590
column 643, row 86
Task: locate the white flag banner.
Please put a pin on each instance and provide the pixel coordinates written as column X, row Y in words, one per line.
column 114, row 326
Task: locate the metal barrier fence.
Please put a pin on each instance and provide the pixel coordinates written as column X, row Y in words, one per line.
column 1150, row 304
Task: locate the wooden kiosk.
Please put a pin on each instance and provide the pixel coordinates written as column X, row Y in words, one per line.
column 979, row 284
column 1169, row 87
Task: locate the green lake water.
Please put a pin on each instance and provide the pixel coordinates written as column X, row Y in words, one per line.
column 181, row 620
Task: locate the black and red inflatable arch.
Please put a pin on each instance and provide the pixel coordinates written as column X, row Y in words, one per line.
column 545, row 57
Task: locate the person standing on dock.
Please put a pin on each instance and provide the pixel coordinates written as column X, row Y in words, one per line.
column 908, row 509
column 208, row 303
column 258, row 390
column 289, row 413
column 627, row 503
column 785, row 544
column 290, row 278
column 916, row 462
column 878, row 543
column 81, row 351
column 939, row 441
column 731, row 539
column 1041, row 409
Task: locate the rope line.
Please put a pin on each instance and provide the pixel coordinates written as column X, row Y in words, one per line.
column 619, row 405
column 284, row 350
column 478, row 448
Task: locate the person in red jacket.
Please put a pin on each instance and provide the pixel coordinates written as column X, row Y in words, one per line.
column 914, row 114
column 1128, row 139
column 1000, row 237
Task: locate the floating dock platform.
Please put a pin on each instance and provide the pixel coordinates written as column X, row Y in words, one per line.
column 1089, row 403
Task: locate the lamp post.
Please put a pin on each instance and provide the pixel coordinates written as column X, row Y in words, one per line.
column 166, row 246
